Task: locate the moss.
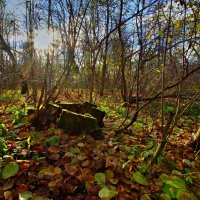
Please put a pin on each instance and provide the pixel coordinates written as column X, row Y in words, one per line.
column 76, row 123
column 73, row 107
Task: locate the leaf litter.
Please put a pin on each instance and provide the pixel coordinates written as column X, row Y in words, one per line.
column 54, row 165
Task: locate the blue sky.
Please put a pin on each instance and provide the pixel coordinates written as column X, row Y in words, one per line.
column 17, row 7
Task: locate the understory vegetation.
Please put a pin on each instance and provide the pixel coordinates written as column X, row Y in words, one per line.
column 51, row 164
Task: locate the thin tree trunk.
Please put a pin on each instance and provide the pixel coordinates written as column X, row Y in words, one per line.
column 105, row 52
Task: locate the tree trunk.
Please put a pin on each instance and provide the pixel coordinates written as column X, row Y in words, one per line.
column 104, row 69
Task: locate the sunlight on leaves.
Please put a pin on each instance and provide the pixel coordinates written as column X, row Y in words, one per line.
column 104, row 193
column 25, row 195
column 10, row 170
column 107, row 193
column 100, row 178
column 139, row 178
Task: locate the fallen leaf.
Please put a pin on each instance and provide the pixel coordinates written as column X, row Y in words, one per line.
column 57, row 170
column 54, row 156
column 8, row 195
column 8, row 185
column 10, row 170
column 139, row 178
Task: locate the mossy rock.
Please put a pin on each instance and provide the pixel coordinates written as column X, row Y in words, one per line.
column 73, row 118
column 75, row 123
column 73, row 107
column 99, row 115
column 84, row 108
column 53, row 109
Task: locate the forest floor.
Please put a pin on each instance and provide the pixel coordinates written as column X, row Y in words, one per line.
column 51, row 164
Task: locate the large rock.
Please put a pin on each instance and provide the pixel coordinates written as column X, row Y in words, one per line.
column 99, row 115
column 73, row 107
column 75, row 123
column 84, row 108
column 72, row 118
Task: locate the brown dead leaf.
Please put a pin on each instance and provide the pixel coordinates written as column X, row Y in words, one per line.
column 38, row 147
column 135, row 186
column 124, row 197
column 21, row 188
column 69, row 188
column 120, row 188
column 108, row 162
column 9, row 184
column 58, row 132
column 179, row 165
column 145, row 197
column 110, row 143
column 135, row 195
column 155, row 188
column 54, row 156
column 91, row 197
column 54, row 149
column 144, row 190
column 57, row 170
column 93, row 189
column 71, row 170
column 21, row 180
column 126, row 180
column 55, row 183
column 25, row 164
column 8, row 195
column 80, row 144
column 86, row 163
column 23, row 135
column 64, row 146
column 99, row 164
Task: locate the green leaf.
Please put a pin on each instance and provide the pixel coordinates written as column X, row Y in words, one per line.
column 185, row 195
column 2, row 146
column 107, row 192
column 25, row 195
column 177, row 24
column 43, row 171
column 165, row 197
column 53, row 140
column 176, row 172
column 29, row 142
column 169, row 39
column 164, row 177
column 74, row 150
column 160, row 32
column 139, row 178
column 10, row 170
column 104, row 193
column 109, row 174
column 198, row 26
column 69, row 154
column 187, row 162
column 112, row 192
column 148, row 36
column 177, row 183
column 100, row 178
column 158, row 70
